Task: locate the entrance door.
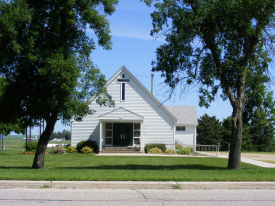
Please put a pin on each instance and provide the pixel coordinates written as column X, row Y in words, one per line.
column 123, row 134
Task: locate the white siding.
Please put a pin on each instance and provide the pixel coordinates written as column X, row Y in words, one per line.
column 157, row 123
column 187, row 136
column 121, row 114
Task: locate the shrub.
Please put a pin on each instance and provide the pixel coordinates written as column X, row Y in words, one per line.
column 59, row 150
column 178, row 146
column 70, row 149
column 185, row 150
column 88, row 143
column 31, row 146
column 86, row 150
column 151, row 146
column 170, row 151
column 155, row 151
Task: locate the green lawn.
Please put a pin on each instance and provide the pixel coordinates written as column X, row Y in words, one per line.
column 14, row 166
column 16, row 142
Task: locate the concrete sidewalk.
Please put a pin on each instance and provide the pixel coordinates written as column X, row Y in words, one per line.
column 253, row 162
column 135, row 185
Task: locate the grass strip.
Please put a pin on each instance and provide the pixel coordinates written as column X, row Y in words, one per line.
column 83, row 167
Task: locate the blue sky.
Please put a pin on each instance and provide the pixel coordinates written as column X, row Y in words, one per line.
column 134, row 48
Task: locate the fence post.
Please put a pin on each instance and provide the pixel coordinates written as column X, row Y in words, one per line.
column 218, row 149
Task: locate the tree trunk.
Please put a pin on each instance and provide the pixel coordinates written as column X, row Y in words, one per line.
column 234, row 161
column 38, row 162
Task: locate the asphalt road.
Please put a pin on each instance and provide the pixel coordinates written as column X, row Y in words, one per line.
column 139, row 197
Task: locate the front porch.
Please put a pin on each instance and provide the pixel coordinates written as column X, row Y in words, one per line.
column 120, row 132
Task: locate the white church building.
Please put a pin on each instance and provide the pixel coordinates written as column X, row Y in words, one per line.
column 138, row 118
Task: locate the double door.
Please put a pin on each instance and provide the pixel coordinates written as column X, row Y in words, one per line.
column 122, row 134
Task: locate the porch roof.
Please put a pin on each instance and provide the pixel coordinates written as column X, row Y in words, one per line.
column 121, row 114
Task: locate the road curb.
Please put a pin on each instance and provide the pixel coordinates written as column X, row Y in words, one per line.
column 135, row 185
column 24, row 184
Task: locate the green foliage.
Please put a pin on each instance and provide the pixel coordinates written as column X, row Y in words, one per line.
column 221, row 45
column 185, row 150
column 209, row 130
column 64, row 135
column 17, row 125
column 147, row 147
column 247, row 143
column 59, row 150
column 87, row 143
column 31, row 146
column 86, row 150
column 272, row 145
column 170, row 151
column 45, row 59
column 226, row 133
column 177, row 186
column 70, row 149
column 155, row 150
column 178, row 146
column 257, row 134
column 262, row 130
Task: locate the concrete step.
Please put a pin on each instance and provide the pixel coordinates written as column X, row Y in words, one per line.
column 120, row 150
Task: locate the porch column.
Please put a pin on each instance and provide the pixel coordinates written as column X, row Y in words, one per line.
column 174, row 135
column 195, row 139
column 100, row 136
column 140, row 137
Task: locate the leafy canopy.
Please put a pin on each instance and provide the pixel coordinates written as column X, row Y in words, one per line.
column 17, row 126
column 220, row 44
column 45, row 57
column 216, row 43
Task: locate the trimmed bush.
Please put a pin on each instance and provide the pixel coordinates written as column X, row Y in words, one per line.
column 59, row 150
column 31, row 146
column 178, row 147
column 155, row 151
column 170, row 151
column 70, row 149
column 86, row 150
column 151, row 146
column 88, row 143
column 185, row 150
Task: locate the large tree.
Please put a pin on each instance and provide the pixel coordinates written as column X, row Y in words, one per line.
column 218, row 44
column 45, row 58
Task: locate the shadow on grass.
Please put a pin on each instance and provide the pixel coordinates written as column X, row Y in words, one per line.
column 147, row 167
column 130, row 167
column 140, row 167
column 21, row 167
